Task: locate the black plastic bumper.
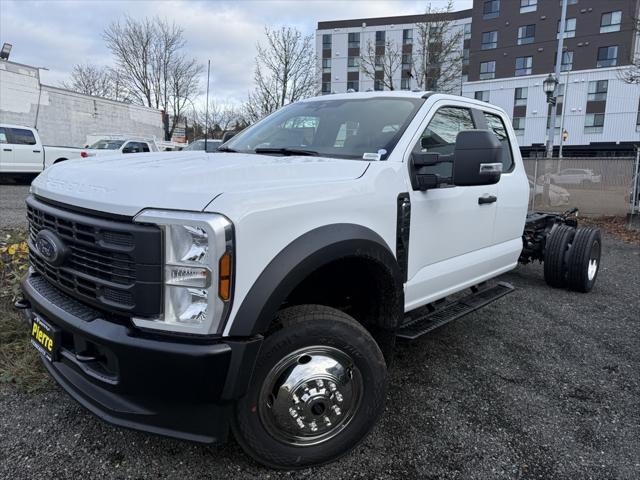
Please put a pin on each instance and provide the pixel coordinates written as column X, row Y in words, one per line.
column 167, row 386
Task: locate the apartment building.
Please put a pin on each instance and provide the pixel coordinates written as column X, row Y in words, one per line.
column 513, row 49
column 508, row 49
column 340, row 45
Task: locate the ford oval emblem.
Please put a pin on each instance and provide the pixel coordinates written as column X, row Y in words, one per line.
column 50, row 248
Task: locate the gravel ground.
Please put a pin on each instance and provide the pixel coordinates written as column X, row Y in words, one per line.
column 541, row 384
column 12, row 208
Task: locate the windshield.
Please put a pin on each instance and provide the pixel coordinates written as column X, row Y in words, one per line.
column 212, row 145
column 107, row 144
column 359, row 128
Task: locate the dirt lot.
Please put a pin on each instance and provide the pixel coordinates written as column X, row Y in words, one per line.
column 541, row 384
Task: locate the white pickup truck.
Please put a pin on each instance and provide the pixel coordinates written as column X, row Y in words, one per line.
column 21, row 151
column 262, row 288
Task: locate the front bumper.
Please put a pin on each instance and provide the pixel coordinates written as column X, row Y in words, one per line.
column 159, row 384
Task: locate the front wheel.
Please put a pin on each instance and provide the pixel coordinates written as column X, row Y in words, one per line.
column 318, row 387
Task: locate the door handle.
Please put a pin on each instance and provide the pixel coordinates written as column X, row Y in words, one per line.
column 7, row 150
column 486, row 199
column 36, row 151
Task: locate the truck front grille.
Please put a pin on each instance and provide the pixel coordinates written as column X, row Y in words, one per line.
column 111, row 264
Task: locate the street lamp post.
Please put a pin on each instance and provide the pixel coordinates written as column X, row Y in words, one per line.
column 549, row 87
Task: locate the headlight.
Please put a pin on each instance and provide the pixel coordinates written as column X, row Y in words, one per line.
column 198, row 271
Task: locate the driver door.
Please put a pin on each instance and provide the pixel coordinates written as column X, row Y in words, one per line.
column 450, row 225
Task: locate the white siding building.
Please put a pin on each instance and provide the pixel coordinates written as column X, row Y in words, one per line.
column 618, row 122
column 68, row 118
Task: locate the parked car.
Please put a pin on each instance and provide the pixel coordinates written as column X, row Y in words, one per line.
column 21, row 151
column 575, row 176
column 557, row 196
column 212, row 146
column 263, row 292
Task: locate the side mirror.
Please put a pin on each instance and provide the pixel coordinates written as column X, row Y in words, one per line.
column 477, row 158
column 228, row 136
column 127, row 150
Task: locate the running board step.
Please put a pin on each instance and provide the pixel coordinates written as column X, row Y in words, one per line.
column 414, row 327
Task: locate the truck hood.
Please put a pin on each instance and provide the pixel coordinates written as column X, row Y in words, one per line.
column 126, row 184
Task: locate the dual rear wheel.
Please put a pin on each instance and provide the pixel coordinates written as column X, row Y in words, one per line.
column 572, row 258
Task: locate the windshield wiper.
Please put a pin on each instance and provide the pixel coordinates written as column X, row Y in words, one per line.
column 287, row 151
column 226, row 149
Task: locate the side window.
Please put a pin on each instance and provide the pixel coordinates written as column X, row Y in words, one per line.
column 3, row 136
column 144, row 147
column 496, row 125
column 22, row 136
column 441, row 133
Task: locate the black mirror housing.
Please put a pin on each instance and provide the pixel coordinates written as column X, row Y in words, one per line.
column 227, row 136
column 477, row 158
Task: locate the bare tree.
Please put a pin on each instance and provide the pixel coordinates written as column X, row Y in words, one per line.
column 222, row 118
column 631, row 73
column 96, row 81
column 381, row 62
column 149, row 55
column 437, row 56
column 285, row 71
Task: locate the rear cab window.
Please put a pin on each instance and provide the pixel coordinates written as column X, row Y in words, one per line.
column 497, row 126
column 21, row 136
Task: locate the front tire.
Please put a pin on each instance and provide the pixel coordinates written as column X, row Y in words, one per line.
column 318, row 388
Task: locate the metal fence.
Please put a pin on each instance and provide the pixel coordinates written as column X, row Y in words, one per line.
column 597, row 186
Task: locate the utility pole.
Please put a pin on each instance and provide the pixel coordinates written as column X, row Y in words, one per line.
column 206, row 108
column 552, row 116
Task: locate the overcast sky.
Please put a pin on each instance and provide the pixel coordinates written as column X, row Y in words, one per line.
column 58, row 34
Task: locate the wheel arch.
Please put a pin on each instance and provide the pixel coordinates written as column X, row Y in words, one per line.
column 307, row 254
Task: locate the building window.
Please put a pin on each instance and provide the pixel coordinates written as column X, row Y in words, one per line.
column 594, row 123
column 527, row 6
column 607, row 57
column 598, row 91
column 526, row 34
column 488, row 70
column 353, row 63
column 354, row 40
column 379, row 62
column 406, row 61
column 567, row 61
column 380, row 38
column 465, row 57
column 524, row 66
column 482, row 95
column 467, row 31
column 326, row 41
column 326, row 87
column 465, row 78
column 518, row 125
column 407, row 36
column 353, row 85
column 569, row 28
column 520, row 98
column 326, row 64
column 405, row 84
column 491, row 9
column 489, row 40
column 378, row 85
column 610, row 22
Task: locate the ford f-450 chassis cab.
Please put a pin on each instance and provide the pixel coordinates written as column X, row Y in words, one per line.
column 261, row 288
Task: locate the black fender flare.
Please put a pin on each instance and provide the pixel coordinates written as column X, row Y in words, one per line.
column 298, row 260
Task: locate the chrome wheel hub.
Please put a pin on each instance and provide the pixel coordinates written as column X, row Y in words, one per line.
column 310, row 395
column 592, row 269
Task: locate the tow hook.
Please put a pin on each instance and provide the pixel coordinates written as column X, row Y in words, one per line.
column 24, row 305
